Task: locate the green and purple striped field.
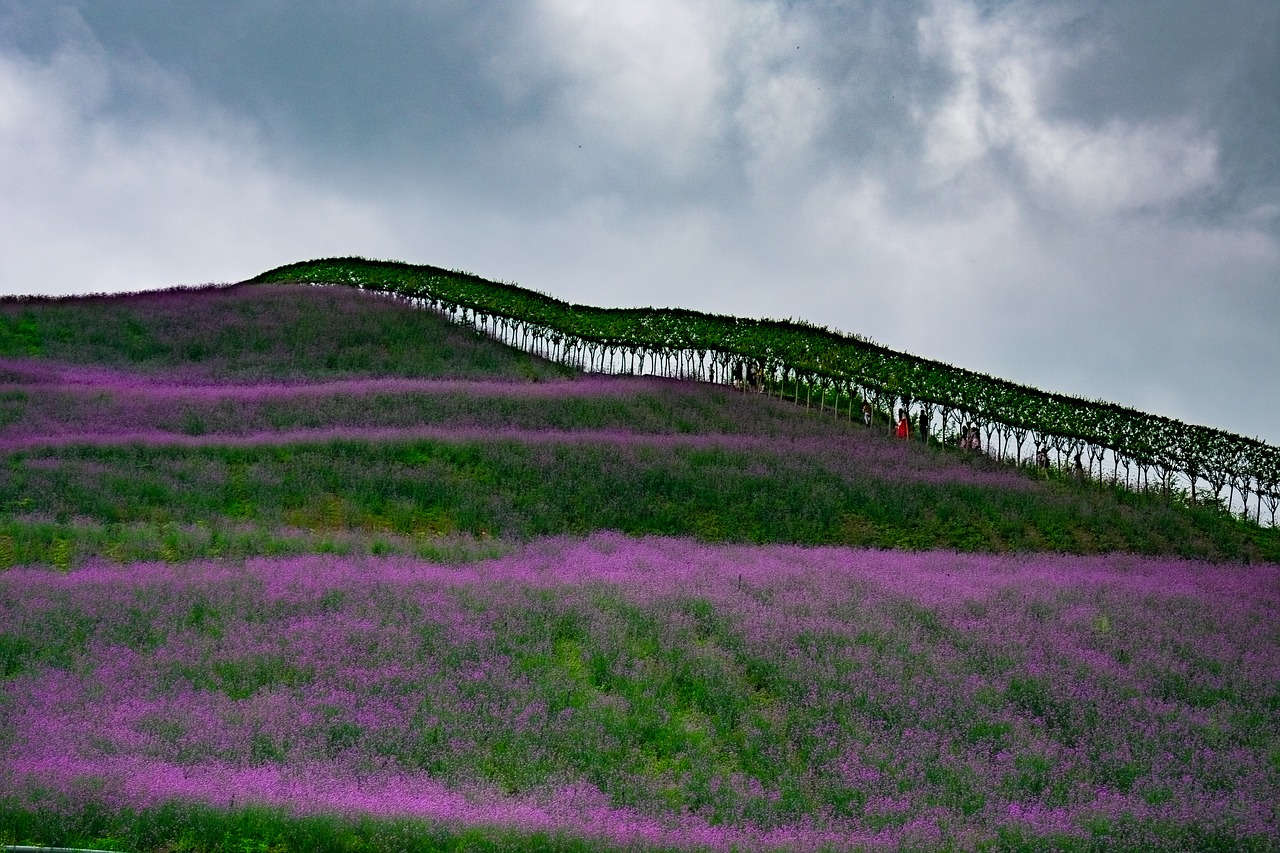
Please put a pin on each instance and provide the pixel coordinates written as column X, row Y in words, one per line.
column 271, row 582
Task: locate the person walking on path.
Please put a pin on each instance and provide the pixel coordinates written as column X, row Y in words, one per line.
column 866, row 413
column 904, row 425
column 1042, row 459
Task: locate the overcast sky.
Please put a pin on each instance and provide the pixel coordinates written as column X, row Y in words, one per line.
column 1082, row 196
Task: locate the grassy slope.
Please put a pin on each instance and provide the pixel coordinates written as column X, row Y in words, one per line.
column 782, row 475
column 807, row 478
column 253, row 332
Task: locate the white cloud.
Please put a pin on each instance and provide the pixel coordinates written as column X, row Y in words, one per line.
column 1002, row 66
column 780, row 111
column 643, row 78
column 96, row 200
column 779, row 117
column 677, row 89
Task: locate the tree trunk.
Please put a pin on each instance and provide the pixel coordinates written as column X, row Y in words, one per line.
column 1097, row 453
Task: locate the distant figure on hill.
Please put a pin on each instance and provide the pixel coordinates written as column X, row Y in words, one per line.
column 1077, row 470
column 866, row 412
column 904, row 425
column 1042, row 458
column 970, row 439
column 924, row 426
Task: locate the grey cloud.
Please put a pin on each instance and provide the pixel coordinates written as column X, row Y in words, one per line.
column 1217, row 63
column 352, row 87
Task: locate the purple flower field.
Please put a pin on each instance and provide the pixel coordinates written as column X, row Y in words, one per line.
column 40, row 374
column 659, row 691
column 393, row 629
column 53, row 405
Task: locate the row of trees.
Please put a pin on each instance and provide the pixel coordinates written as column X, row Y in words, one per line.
column 824, row 367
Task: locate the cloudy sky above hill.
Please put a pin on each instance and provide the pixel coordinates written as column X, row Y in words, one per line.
column 1082, row 195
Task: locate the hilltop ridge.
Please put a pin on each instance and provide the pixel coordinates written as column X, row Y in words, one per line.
column 785, row 357
column 247, row 332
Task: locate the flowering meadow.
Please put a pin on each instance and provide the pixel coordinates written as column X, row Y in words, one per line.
column 661, row 693
column 318, row 572
column 102, row 461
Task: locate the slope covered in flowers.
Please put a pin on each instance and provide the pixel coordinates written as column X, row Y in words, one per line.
column 662, row 691
column 104, row 461
column 317, row 571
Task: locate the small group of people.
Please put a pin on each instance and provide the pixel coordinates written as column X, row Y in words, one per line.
column 970, row 438
column 1042, row 463
column 903, row 428
column 748, row 376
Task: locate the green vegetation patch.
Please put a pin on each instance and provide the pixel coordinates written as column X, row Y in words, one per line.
column 180, row 502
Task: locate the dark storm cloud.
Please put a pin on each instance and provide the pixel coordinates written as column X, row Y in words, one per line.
column 1082, row 196
column 351, row 84
column 1216, row 62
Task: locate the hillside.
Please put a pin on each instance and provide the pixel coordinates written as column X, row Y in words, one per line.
column 789, row 357
column 395, row 585
column 307, row 422
column 247, row 333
